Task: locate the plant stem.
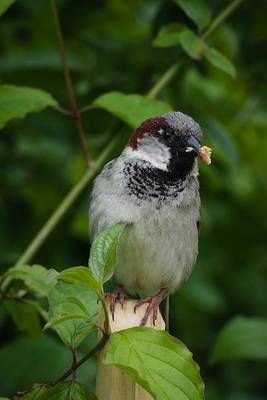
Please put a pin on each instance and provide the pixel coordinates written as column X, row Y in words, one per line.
column 164, row 80
column 74, row 365
column 65, row 205
column 221, row 17
column 73, row 101
column 106, row 322
column 91, row 353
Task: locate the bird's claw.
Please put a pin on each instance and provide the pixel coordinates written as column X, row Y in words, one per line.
column 118, row 296
column 153, row 306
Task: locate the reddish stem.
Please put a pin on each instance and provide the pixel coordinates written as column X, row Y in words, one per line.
column 72, row 97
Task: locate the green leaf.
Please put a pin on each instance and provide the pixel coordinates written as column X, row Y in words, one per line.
column 73, row 312
column 81, row 275
column 4, row 5
column 61, row 391
column 72, row 309
column 16, row 102
column 197, row 10
column 242, row 339
column 35, row 277
column 220, row 61
column 25, row 316
column 157, row 361
column 103, row 253
column 35, row 394
column 4, row 398
column 68, row 317
column 169, row 35
column 131, row 108
column 191, row 44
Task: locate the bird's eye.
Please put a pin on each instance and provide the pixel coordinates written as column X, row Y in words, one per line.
column 166, row 134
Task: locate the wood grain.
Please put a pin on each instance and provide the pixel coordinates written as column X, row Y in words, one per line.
column 111, row 382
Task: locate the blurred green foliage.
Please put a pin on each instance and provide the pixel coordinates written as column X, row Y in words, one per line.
column 110, row 48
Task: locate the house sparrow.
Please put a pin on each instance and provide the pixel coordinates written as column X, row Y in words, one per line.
column 153, row 188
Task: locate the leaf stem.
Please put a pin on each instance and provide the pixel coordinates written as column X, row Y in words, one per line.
column 91, row 353
column 63, row 111
column 65, row 205
column 76, row 114
column 221, row 17
column 86, row 108
column 164, row 80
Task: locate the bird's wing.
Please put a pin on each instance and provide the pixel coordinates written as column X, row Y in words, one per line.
column 107, row 206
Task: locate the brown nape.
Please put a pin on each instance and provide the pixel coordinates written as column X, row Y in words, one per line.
column 150, row 126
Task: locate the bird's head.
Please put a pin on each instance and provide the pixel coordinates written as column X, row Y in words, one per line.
column 170, row 142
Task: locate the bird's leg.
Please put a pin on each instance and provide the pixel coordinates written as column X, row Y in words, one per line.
column 153, row 306
column 118, row 296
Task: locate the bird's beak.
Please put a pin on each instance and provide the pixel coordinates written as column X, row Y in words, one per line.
column 192, row 145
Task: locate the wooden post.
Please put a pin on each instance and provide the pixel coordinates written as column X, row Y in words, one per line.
column 111, row 382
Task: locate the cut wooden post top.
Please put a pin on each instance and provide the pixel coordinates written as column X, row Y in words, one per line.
column 112, row 383
column 125, row 317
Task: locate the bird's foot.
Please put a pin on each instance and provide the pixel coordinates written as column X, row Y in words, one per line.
column 153, row 306
column 118, row 296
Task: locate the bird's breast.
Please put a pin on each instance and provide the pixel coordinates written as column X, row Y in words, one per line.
column 158, row 251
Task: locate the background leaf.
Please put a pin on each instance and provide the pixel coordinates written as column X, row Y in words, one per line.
column 103, row 253
column 44, row 360
column 242, row 339
column 197, row 10
column 16, row 102
column 35, row 277
column 131, row 108
column 191, row 44
column 4, row 5
column 25, row 316
column 158, row 362
column 220, row 61
column 64, row 309
column 169, row 35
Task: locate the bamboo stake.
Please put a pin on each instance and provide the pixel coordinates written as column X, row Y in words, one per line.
column 111, row 382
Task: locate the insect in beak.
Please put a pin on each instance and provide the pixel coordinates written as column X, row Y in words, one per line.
column 205, row 154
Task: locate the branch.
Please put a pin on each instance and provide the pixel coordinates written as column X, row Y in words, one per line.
column 221, row 17
column 73, row 101
column 164, row 80
column 91, row 353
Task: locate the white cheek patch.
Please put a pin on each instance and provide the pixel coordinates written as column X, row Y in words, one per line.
column 151, row 150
